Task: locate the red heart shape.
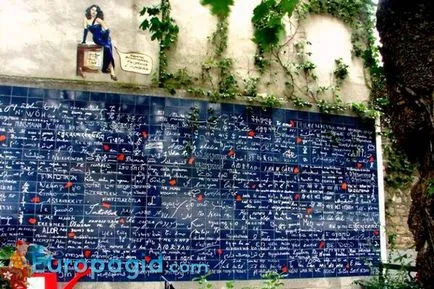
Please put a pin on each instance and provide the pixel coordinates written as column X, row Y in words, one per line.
column 32, row 221
column 298, row 140
column 322, row 245
column 344, row 186
column 87, row 253
column 71, row 235
column 148, row 259
column 309, row 210
column 231, row 153
column 251, row 133
column 238, row 198
column 376, row 232
column 219, row 251
column 121, row 221
column 106, row 148
column 295, row 170
column 284, row 269
column 296, row 197
column 190, row 161
column 35, row 200
column 106, row 205
column 68, row 184
column 199, row 198
column 291, row 123
column 172, row 182
column 144, row 134
column 121, row 157
column 2, row 138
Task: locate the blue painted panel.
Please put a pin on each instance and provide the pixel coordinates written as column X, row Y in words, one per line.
column 242, row 190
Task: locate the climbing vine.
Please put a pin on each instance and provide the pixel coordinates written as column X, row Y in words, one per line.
column 164, row 29
column 219, row 82
column 269, row 28
column 359, row 15
column 217, row 68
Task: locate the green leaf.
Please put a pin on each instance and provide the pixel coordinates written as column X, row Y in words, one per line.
column 144, row 25
column 6, row 252
column 288, row 6
column 260, row 12
column 220, row 8
column 143, row 12
column 430, row 189
column 269, row 36
column 153, row 11
column 155, row 22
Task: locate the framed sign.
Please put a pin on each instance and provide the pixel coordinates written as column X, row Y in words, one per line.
column 89, row 58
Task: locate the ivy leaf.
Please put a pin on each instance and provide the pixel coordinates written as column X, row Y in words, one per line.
column 220, row 8
column 144, row 25
column 269, row 36
column 143, row 12
column 430, row 189
column 153, row 11
column 260, row 12
column 6, row 252
column 267, row 20
column 288, row 6
column 155, row 25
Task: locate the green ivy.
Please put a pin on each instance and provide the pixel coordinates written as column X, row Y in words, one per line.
column 6, row 253
column 219, row 38
column 268, row 27
column 217, row 69
column 399, row 171
column 220, row 8
column 163, row 28
column 270, row 101
column 268, row 22
column 300, row 102
column 364, row 110
column 202, row 281
column 272, row 280
column 359, row 15
column 341, row 70
column 336, row 106
column 251, row 87
column 430, row 188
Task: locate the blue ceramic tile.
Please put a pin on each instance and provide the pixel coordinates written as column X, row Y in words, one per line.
column 5, row 90
column 36, row 92
column 20, row 91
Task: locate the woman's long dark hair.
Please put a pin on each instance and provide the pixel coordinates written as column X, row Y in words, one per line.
column 99, row 13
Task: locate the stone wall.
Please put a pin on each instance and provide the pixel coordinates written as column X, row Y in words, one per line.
column 397, row 209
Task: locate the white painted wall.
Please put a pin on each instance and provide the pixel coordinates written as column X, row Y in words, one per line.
column 39, row 39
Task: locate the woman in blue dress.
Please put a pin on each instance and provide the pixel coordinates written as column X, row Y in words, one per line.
column 94, row 22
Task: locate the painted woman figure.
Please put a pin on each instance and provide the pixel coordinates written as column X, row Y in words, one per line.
column 94, row 22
